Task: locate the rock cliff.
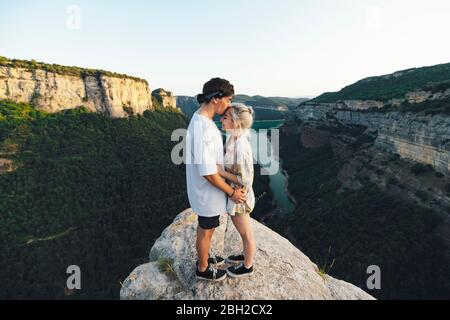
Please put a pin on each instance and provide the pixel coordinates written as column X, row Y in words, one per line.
column 281, row 270
column 411, row 97
column 422, row 138
column 52, row 92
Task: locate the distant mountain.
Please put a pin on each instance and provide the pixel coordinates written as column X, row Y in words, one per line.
column 270, row 102
column 392, row 86
column 266, row 108
column 187, row 104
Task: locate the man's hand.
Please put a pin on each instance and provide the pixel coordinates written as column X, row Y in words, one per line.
column 240, row 195
column 216, row 180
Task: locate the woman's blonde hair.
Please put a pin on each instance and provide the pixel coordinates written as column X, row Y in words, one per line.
column 242, row 115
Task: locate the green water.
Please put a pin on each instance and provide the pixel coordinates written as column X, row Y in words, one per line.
column 278, row 181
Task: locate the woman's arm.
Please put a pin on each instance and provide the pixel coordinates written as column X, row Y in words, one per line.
column 228, row 175
column 238, row 195
column 245, row 158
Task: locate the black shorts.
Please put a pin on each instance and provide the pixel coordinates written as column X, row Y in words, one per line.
column 208, row 223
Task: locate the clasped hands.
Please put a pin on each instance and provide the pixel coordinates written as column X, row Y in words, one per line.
column 240, row 194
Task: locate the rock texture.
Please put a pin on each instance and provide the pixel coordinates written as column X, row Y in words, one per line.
column 281, row 270
column 53, row 92
column 165, row 98
column 422, row 138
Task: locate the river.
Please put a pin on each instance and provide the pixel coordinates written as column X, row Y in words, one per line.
column 278, row 181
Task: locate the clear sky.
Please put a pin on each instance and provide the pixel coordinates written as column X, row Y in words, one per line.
column 268, row 47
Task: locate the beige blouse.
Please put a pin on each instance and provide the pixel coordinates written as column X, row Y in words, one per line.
column 238, row 160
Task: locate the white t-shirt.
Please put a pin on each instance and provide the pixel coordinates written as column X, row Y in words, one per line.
column 204, row 150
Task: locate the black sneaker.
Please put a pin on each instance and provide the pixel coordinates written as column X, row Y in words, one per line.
column 239, row 271
column 215, row 261
column 211, row 274
column 235, row 259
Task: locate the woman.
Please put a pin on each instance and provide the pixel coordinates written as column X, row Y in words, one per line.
column 238, row 161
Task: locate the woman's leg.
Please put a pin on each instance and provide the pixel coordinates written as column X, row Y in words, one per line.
column 244, row 227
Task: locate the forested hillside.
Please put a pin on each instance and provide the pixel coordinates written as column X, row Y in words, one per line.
column 396, row 85
column 82, row 189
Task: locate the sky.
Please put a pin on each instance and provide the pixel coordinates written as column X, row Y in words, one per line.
column 298, row 48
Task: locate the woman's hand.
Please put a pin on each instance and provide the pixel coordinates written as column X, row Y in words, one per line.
column 240, row 195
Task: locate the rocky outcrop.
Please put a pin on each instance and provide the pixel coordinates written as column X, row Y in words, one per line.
column 165, row 98
column 423, row 95
column 281, row 270
column 422, row 138
column 6, row 165
column 410, row 97
column 53, row 92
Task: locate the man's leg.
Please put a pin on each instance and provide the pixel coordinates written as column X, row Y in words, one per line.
column 205, row 231
column 203, row 244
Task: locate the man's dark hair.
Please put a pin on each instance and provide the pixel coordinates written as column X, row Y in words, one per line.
column 215, row 88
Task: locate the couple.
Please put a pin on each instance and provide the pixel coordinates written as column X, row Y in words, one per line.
column 219, row 183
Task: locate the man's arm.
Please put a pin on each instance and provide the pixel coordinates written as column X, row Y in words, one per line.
column 216, row 180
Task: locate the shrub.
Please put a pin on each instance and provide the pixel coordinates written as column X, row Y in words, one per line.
column 422, row 195
column 418, row 168
column 439, row 174
column 128, row 110
column 447, row 187
column 393, row 180
column 394, row 157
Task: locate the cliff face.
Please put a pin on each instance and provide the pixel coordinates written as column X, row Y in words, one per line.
column 412, row 97
column 281, row 270
column 53, row 92
column 422, row 138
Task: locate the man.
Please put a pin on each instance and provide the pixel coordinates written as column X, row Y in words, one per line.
column 207, row 191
